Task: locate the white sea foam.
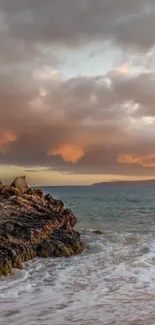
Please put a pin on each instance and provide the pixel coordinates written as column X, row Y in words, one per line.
column 111, row 283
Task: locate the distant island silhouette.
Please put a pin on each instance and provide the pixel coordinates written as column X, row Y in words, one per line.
column 113, row 183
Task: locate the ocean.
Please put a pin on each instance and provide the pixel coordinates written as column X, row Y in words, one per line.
column 111, row 283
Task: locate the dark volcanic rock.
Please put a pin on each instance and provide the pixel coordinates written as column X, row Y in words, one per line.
column 31, row 225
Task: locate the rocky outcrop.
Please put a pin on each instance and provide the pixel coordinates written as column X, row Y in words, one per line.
column 20, row 182
column 33, row 224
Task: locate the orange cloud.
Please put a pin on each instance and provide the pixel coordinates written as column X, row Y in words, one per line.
column 143, row 161
column 123, row 69
column 69, row 152
column 6, row 138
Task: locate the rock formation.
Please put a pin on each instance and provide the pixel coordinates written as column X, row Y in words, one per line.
column 20, row 182
column 33, row 224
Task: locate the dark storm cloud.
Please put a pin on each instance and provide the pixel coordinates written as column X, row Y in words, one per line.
column 71, row 22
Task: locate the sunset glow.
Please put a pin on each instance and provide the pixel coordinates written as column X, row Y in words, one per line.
column 77, row 84
column 6, row 138
column 69, row 153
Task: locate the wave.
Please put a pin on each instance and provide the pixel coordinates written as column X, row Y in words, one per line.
column 111, row 283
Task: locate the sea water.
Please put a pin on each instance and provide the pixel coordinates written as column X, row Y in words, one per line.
column 111, row 283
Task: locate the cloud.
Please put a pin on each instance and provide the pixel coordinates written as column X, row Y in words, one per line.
column 69, row 152
column 73, row 23
column 123, row 69
column 103, row 124
column 144, row 161
column 85, row 124
column 6, row 138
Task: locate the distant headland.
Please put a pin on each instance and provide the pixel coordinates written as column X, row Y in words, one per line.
column 116, row 183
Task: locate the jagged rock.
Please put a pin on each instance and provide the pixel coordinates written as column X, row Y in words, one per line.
column 62, row 242
column 31, row 225
column 19, row 182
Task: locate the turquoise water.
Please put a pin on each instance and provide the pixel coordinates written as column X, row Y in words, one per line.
column 110, row 283
column 121, row 209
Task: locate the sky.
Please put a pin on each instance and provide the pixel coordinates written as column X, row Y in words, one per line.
column 77, row 90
